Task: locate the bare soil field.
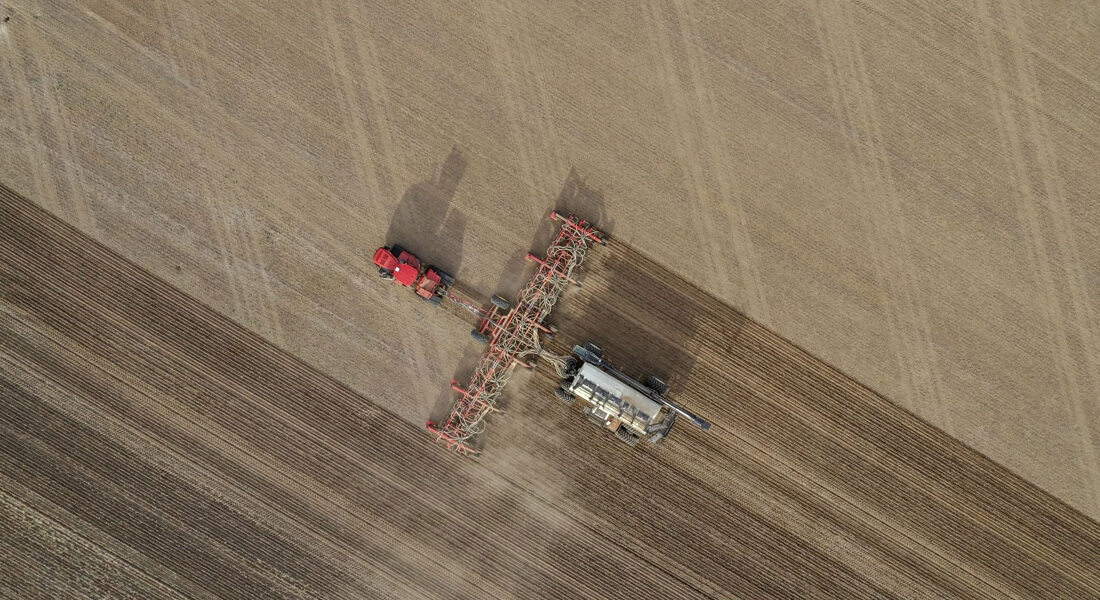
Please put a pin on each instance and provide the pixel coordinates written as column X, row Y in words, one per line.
column 152, row 448
column 906, row 190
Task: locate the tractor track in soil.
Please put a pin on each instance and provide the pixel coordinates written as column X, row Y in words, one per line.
column 142, row 431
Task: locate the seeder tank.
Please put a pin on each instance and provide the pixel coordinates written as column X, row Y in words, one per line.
column 631, row 408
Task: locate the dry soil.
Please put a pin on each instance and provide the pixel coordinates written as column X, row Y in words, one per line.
column 906, row 190
column 152, row 448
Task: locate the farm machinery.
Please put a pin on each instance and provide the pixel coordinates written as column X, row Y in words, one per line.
column 633, row 409
column 511, row 333
column 402, row 266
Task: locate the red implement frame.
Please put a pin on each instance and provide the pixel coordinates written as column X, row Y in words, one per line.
column 514, row 334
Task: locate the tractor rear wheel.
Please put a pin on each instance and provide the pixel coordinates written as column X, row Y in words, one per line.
column 500, row 302
column 479, row 337
column 564, row 396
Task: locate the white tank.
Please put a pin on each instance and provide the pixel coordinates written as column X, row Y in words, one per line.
column 613, row 402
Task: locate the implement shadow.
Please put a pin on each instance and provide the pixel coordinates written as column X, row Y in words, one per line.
column 425, row 221
column 633, row 308
column 576, row 198
column 645, row 322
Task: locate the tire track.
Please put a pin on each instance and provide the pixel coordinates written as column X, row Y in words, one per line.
column 373, row 80
column 310, row 423
column 56, row 118
column 531, row 125
column 29, row 126
column 1059, row 217
column 856, row 106
column 714, row 144
column 683, row 131
column 957, row 507
column 1030, row 202
column 185, row 437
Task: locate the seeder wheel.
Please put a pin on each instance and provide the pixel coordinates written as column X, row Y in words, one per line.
column 656, row 384
column 626, row 436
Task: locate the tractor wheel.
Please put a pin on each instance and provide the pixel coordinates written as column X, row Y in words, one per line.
column 626, row 436
column 479, row 337
column 384, row 274
column 564, row 396
column 656, row 384
column 500, row 302
column 435, row 300
column 593, row 348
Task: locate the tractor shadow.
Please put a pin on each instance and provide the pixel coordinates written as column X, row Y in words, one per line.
column 426, row 221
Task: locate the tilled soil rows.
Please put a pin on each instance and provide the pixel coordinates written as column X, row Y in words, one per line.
column 151, row 448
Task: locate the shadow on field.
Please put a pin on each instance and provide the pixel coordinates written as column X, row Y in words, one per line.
column 644, row 321
column 576, row 198
column 426, row 223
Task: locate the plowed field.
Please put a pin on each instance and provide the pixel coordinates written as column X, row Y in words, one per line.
column 151, row 448
column 905, row 189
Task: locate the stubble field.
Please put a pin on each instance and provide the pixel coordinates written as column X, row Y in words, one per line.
column 152, row 448
column 904, row 192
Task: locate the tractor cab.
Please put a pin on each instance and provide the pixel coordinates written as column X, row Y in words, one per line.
column 405, row 274
column 390, row 261
column 430, row 283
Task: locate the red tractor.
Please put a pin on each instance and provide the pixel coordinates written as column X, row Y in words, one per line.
column 397, row 263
